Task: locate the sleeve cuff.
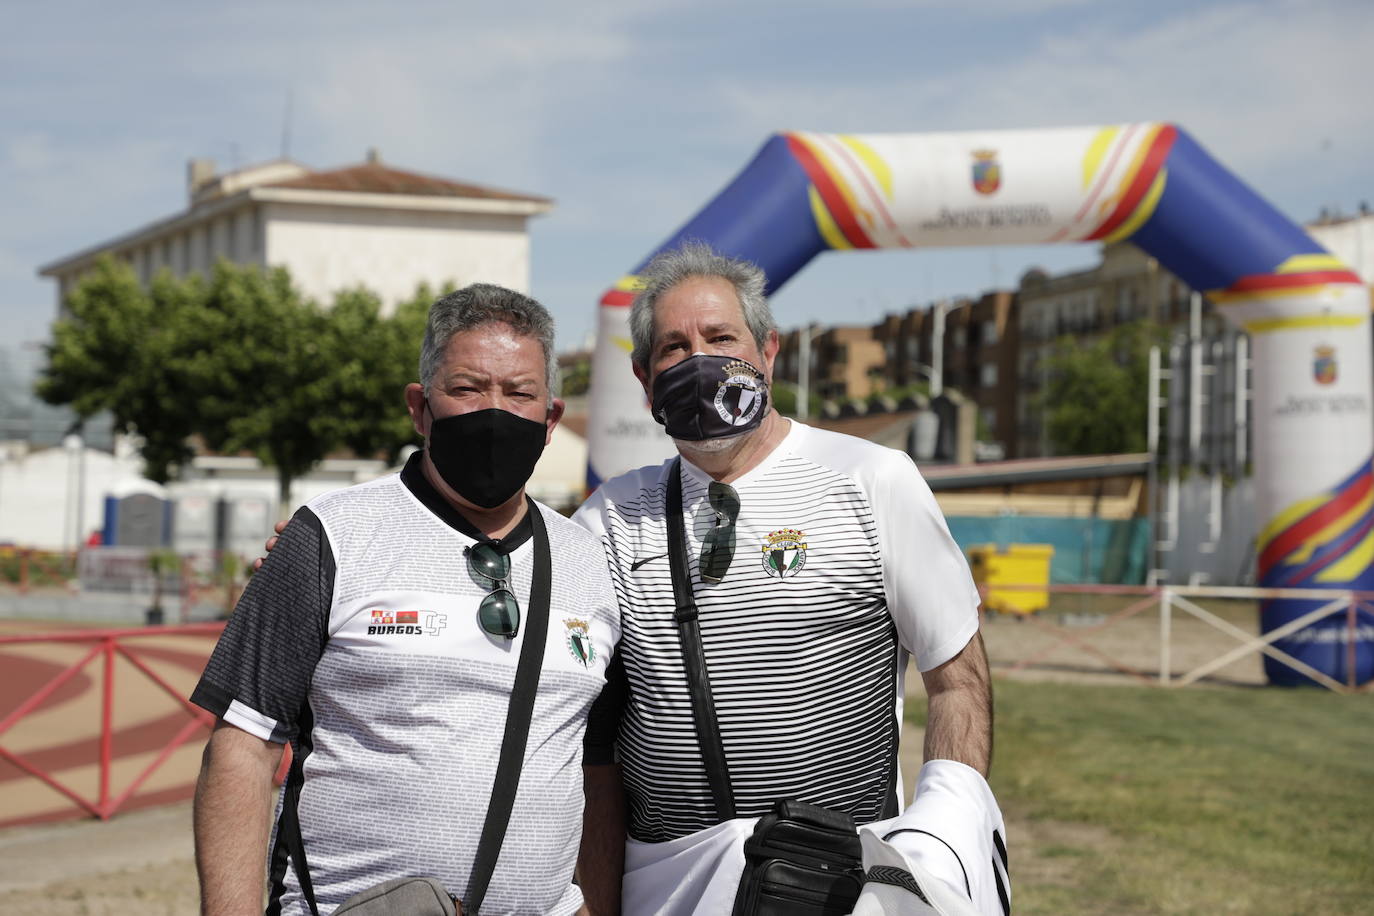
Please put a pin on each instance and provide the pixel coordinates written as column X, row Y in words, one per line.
column 950, row 648
column 218, row 701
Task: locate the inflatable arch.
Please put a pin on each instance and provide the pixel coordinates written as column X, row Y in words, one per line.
column 1308, row 315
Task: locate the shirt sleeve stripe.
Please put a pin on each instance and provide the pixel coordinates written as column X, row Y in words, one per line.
column 253, row 722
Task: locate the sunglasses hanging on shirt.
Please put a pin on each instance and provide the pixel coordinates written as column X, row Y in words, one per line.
column 718, row 547
column 499, row 612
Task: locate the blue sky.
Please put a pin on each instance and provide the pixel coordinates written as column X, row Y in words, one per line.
column 632, row 115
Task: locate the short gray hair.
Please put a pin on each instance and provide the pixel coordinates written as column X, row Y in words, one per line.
column 697, row 259
column 479, row 304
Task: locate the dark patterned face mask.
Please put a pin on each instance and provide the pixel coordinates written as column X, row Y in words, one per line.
column 709, row 397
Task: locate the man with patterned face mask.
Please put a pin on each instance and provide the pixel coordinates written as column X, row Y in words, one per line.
column 813, row 566
column 392, row 635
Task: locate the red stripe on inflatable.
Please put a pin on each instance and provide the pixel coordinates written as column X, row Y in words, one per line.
column 1254, row 282
column 617, row 298
column 830, row 195
column 1140, row 186
column 1346, row 545
column 1292, row 537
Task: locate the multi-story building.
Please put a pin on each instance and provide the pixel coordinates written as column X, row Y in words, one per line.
column 1127, row 286
column 846, row 363
column 977, row 340
column 997, row 350
column 368, row 224
column 981, row 341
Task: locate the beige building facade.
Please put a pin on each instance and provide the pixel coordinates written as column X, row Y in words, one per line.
column 368, row 224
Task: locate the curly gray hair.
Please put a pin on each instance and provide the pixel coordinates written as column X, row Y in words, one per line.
column 697, row 259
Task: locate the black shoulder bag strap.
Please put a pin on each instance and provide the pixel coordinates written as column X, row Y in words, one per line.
column 693, row 656
column 518, row 716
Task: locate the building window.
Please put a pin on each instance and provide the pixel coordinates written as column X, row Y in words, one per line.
column 232, row 224
column 989, row 333
column 987, row 375
column 960, row 337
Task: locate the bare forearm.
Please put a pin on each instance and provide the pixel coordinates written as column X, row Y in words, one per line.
column 601, row 860
column 232, row 813
column 959, row 719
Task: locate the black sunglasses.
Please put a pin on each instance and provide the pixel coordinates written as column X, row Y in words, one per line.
column 718, row 547
column 499, row 612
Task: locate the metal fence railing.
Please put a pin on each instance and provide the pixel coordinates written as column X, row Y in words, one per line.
column 104, row 647
column 1171, row 601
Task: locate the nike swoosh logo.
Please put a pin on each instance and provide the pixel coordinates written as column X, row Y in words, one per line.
column 638, row 563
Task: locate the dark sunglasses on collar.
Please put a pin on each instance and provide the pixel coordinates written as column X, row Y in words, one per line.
column 718, row 547
column 499, row 612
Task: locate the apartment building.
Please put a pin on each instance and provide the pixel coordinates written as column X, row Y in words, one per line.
column 368, row 224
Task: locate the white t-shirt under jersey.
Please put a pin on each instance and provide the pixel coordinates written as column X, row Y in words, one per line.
column 843, row 568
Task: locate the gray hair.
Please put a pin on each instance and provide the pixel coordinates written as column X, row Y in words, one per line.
column 479, row 304
column 697, row 259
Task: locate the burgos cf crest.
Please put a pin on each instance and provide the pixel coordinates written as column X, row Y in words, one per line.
column 1324, row 365
column 579, row 641
column 987, row 171
column 784, row 553
column 740, row 396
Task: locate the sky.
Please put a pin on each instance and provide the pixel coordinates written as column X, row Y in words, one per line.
column 632, row 114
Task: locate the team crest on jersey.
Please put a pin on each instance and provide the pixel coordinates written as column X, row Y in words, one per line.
column 406, row 623
column 784, row 553
column 579, row 641
column 740, row 396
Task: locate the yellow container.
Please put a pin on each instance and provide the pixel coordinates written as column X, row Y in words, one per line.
column 1019, row 565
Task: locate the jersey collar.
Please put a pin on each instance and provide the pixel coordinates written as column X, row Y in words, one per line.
column 413, row 476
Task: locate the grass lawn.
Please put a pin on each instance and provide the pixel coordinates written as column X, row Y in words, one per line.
column 1138, row 800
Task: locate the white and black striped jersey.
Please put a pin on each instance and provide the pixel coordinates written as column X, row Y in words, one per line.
column 358, row 641
column 843, row 568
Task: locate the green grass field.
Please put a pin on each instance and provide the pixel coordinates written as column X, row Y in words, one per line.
column 1138, row 800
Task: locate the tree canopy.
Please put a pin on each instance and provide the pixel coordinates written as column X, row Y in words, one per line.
column 240, row 360
column 1095, row 403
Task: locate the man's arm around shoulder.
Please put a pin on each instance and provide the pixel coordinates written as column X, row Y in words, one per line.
column 232, row 816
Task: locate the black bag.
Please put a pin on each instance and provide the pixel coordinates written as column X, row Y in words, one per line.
column 802, row 859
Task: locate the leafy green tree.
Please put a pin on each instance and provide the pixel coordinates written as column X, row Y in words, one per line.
column 784, row 396
column 375, row 358
column 241, row 360
column 118, row 348
column 576, row 378
column 1095, row 403
column 264, row 372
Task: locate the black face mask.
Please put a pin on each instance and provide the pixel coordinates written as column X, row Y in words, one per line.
column 709, row 397
column 486, row 456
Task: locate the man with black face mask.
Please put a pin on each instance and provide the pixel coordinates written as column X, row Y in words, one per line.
column 425, row 653
column 813, row 565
